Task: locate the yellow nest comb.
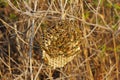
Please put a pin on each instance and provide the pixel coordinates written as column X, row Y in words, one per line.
column 59, row 61
column 61, row 45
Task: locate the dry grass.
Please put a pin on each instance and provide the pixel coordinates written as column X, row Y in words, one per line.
column 27, row 25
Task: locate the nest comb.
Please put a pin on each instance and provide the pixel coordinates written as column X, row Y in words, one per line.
column 61, row 45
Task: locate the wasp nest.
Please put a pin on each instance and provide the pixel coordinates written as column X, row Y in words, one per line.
column 61, row 44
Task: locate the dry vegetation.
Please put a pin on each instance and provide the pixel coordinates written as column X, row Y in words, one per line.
column 26, row 26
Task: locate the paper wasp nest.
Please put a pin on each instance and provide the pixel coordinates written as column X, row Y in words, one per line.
column 61, row 44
